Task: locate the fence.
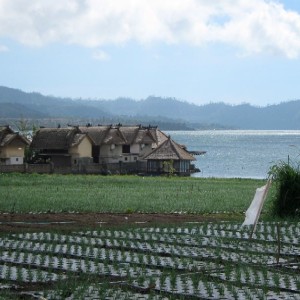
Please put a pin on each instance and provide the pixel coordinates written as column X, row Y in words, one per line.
column 104, row 169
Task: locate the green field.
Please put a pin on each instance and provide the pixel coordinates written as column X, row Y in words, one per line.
column 193, row 260
column 90, row 193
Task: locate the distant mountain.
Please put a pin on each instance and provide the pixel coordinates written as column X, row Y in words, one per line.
column 244, row 116
column 35, row 104
column 11, row 110
column 171, row 113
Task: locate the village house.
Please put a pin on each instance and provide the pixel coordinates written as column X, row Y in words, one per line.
column 62, row 146
column 107, row 141
column 110, row 149
column 12, row 147
column 126, row 144
column 168, row 158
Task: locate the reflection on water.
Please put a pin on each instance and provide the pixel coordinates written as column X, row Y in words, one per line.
column 240, row 153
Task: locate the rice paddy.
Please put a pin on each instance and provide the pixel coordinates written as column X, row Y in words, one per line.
column 192, row 261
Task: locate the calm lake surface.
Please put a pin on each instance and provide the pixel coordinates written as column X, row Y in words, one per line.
column 240, row 153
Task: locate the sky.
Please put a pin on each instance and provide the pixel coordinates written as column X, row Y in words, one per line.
column 199, row 51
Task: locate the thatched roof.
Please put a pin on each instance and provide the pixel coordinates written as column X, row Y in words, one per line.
column 160, row 136
column 63, row 138
column 169, row 150
column 4, row 131
column 120, row 135
column 139, row 134
column 78, row 137
column 56, row 138
column 7, row 135
column 97, row 134
column 104, row 135
column 114, row 136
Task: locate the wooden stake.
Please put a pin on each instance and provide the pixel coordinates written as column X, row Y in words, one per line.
column 278, row 244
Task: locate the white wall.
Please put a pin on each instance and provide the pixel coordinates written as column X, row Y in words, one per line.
column 15, row 160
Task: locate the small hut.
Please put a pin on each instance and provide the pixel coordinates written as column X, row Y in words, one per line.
column 169, row 157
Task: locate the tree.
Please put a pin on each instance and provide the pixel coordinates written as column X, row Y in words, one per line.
column 169, row 167
column 27, row 129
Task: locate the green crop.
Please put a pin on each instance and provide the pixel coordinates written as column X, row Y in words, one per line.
column 123, row 194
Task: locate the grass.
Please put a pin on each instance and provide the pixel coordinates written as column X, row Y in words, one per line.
column 89, row 193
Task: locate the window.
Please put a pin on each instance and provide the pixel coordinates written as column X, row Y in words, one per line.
column 126, row 149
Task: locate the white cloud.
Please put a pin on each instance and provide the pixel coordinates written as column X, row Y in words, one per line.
column 254, row 26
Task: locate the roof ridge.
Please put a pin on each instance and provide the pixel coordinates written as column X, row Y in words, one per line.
column 174, row 147
column 122, row 135
column 137, row 130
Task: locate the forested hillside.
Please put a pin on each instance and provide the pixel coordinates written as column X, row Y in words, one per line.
column 169, row 112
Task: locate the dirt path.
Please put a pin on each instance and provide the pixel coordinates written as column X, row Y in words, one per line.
column 75, row 221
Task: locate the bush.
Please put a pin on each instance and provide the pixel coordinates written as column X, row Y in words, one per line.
column 287, row 181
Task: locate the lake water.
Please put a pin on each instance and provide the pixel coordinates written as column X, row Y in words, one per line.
column 240, row 153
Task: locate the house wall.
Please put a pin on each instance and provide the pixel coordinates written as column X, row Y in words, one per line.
column 15, row 160
column 134, row 155
column 158, row 166
column 135, row 148
column 129, row 157
column 82, row 153
column 114, row 154
column 84, row 149
column 154, row 166
column 15, row 149
column 110, row 154
column 146, row 149
column 182, row 166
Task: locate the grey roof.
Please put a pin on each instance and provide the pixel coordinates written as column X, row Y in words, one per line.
column 114, row 136
column 97, row 134
column 63, row 138
column 7, row 135
column 169, row 150
column 139, row 134
column 160, row 136
column 121, row 135
column 4, row 131
column 54, row 138
column 104, row 135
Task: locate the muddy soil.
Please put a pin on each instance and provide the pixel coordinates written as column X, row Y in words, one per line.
column 76, row 221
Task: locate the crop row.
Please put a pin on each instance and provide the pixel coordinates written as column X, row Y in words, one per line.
column 196, row 261
column 116, row 262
